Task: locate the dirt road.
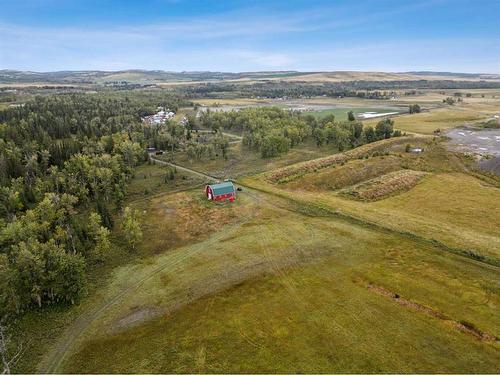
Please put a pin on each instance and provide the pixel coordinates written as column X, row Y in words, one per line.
column 181, row 168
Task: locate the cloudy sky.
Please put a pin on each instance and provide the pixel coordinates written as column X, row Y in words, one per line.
column 235, row 36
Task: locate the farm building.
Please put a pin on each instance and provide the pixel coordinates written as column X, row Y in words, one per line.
column 220, row 192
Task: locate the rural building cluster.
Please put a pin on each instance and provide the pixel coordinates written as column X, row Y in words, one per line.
column 160, row 117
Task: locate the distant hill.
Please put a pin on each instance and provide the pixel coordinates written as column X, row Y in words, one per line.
column 145, row 77
column 484, row 76
column 131, row 76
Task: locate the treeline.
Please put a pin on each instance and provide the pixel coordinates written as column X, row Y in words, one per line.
column 345, row 135
column 364, row 89
column 64, row 163
column 273, row 131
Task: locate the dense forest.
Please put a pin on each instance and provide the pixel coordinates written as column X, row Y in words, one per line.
column 64, row 163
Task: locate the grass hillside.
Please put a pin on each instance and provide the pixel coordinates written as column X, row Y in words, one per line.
column 464, row 209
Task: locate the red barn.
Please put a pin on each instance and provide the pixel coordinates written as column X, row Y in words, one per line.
column 221, row 192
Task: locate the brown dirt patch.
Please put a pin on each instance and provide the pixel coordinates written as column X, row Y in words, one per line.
column 465, row 327
column 137, row 316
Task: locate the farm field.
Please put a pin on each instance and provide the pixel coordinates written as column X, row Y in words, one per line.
column 228, row 101
column 274, row 275
column 483, row 104
column 428, row 122
column 300, row 265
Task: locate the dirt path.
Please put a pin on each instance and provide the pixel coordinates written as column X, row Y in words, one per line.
column 199, row 174
column 230, row 135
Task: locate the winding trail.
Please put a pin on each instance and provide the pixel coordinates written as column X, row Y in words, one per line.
column 181, row 168
column 53, row 362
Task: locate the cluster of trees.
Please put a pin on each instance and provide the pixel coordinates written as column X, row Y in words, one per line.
column 217, row 145
column 64, row 163
column 451, row 101
column 414, row 108
column 349, row 134
column 273, row 131
column 365, row 89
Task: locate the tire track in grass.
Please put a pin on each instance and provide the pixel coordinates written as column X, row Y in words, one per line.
column 59, row 353
column 55, row 359
column 53, row 362
column 185, row 169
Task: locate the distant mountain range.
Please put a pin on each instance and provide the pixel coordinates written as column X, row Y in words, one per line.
column 136, row 76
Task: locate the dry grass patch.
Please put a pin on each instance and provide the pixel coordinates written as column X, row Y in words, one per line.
column 289, row 173
column 351, row 173
column 384, row 186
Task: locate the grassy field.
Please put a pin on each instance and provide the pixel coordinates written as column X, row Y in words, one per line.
column 153, row 179
column 428, row 122
column 465, row 209
column 271, row 291
column 245, row 162
column 483, row 104
column 226, row 101
column 297, row 279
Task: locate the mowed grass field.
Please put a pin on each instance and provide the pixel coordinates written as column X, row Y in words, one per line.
column 276, row 289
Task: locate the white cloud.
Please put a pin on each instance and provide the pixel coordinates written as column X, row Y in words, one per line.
column 242, row 41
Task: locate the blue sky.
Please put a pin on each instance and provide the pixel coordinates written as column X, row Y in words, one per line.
column 235, row 36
